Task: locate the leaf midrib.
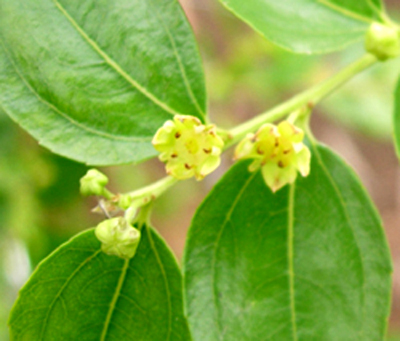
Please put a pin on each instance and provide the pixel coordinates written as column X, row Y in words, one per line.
column 180, row 64
column 116, row 296
column 59, row 112
column 346, row 12
column 290, row 257
column 349, row 222
column 291, row 240
column 290, row 254
column 114, row 64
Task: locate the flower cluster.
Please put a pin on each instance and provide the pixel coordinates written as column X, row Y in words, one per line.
column 278, row 151
column 188, row 147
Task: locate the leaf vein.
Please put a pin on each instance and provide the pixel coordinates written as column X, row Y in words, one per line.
column 64, row 286
column 114, row 64
column 114, row 300
column 345, row 12
column 165, row 279
column 291, row 260
column 216, row 246
column 62, row 114
column 181, row 67
column 349, row 221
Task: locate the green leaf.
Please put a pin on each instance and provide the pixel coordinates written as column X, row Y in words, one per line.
column 80, row 293
column 94, row 80
column 308, row 263
column 396, row 120
column 309, row 26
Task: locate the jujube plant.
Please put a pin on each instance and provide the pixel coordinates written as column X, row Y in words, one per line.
column 286, row 246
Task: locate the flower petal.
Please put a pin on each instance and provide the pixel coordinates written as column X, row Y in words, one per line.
column 303, row 161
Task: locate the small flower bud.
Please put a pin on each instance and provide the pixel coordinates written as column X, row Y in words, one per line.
column 278, row 151
column 383, row 41
column 124, row 201
column 188, row 147
column 118, row 238
column 93, row 183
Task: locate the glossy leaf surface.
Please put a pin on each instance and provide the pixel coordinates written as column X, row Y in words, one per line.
column 80, row 293
column 93, row 80
column 308, row 263
column 308, row 26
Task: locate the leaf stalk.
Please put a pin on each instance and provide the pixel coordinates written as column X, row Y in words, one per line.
column 309, row 97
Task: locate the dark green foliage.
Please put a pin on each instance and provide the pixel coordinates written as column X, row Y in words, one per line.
column 93, row 80
column 305, row 26
column 308, row 263
column 79, row 293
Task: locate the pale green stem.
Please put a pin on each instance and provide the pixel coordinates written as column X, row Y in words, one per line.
column 144, row 215
column 154, row 190
column 309, row 97
column 143, row 199
column 107, row 194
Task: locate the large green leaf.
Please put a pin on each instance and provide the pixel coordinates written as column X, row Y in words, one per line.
column 396, row 118
column 308, row 26
column 79, row 293
column 308, row 263
column 94, row 79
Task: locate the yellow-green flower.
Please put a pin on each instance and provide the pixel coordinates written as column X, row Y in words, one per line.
column 279, row 152
column 188, row 147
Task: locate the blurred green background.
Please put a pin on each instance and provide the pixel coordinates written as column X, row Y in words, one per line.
column 40, row 205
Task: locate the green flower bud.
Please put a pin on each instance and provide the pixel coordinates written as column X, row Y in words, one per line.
column 118, row 237
column 188, row 147
column 93, row 183
column 124, row 201
column 383, row 41
column 278, row 151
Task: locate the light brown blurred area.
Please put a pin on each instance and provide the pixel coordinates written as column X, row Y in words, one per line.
column 40, row 207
